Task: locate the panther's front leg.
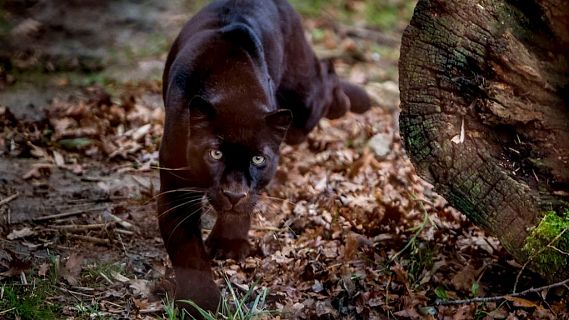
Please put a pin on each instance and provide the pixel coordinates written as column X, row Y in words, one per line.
column 179, row 219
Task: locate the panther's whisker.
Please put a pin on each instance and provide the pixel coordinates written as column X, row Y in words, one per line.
column 181, row 222
column 180, row 177
column 185, row 189
column 183, row 197
column 172, row 170
column 180, row 205
column 208, row 211
column 180, row 193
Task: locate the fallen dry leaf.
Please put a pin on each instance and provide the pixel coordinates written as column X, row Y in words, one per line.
column 72, row 269
column 16, row 266
column 521, row 302
column 22, row 233
column 463, row 279
column 140, row 287
column 38, row 170
column 43, row 269
column 409, row 313
column 351, row 247
column 144, row 306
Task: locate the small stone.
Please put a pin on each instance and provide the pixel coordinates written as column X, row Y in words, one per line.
column 384, row 94
column 317, row 287
column 22, row 233
column 380, row 144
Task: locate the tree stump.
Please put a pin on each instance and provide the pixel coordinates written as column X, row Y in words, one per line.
column 485, row 118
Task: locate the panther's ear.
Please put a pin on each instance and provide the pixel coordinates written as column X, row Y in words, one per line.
column 279, row 121
column 201, row 111
column 245, row 37
column 340, row 103
column 359, row 99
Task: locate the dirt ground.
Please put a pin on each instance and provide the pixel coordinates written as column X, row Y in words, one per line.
column 345, row 231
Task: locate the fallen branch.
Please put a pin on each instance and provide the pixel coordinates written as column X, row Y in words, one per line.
column 439, row 302
column 125, row 232
column 85, row 227
column 9, row 198
column 89, row 239
column 123, row 223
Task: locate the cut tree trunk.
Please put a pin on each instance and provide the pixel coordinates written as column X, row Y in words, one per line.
column 497, row 70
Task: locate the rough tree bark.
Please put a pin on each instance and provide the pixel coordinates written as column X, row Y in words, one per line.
column 500, row 70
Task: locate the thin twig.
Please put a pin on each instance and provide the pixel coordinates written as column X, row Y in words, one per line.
column 67, row 214
column 84, row 288
column 530, row 259
column 503, row 297
column 76, row 293
column 113, row 304
column 559, row 250
column 156, row 309
column 9, row 198
column 122, row 243
column 6, row 311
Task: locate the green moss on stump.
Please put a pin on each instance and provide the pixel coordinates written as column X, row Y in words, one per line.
column 547, row 260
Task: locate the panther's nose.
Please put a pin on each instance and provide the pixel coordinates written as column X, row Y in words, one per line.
column 234, row 197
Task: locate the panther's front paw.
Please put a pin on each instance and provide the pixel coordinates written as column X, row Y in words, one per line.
column 199, row 287
column 222, row 248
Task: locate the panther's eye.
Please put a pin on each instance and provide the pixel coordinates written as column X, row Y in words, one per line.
column 215, row 154
column 258, row 160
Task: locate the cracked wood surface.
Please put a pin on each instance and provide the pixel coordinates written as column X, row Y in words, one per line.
column 502, row 68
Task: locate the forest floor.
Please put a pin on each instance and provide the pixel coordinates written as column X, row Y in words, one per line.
column 345, row 231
